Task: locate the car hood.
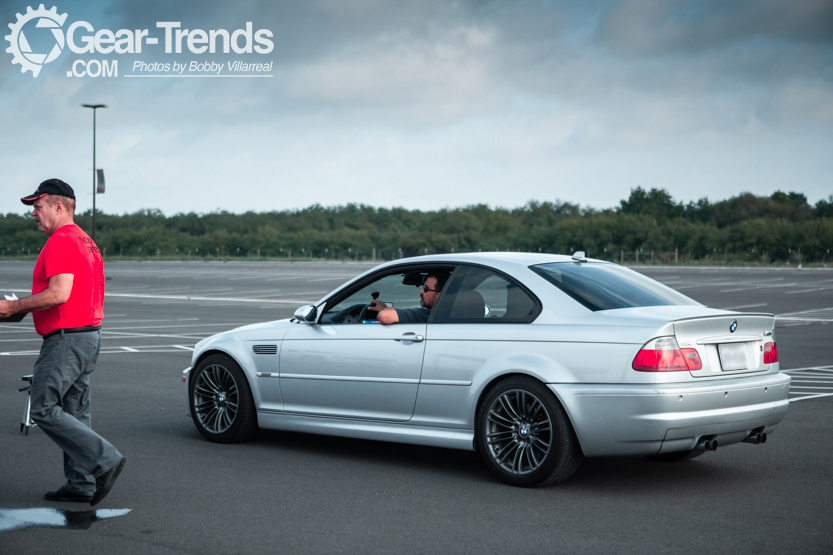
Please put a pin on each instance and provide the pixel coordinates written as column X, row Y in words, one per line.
column 264, row 331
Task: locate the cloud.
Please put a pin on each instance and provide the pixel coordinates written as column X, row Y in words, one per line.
column 122, row 145
column 453, row 65
column 441, row 103
column 686, row 27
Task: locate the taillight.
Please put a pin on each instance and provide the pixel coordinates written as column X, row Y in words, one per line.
column 664, row 355
column 692, row 359
column 770, row 353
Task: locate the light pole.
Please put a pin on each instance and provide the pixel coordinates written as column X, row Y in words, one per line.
column 94, row 107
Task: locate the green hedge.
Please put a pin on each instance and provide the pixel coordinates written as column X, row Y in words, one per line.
column 746, row 228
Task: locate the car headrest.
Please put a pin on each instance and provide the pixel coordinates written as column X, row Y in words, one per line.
column 469, row 304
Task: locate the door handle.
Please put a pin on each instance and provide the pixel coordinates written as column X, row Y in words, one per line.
column 410, row 337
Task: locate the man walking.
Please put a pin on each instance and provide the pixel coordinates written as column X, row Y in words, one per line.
column 67, row 306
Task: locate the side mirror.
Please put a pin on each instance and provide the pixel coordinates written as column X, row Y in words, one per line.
column 307, row 314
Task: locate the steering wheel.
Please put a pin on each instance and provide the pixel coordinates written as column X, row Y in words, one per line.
column 366, row 309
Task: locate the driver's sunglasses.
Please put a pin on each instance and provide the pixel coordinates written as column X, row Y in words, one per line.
column 429, row 290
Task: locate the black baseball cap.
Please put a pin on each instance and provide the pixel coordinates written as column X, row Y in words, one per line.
column 49, row 187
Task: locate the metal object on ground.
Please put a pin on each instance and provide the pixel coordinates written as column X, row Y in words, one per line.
column 26, row 422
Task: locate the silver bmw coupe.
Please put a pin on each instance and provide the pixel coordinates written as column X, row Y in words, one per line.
column 534, row 360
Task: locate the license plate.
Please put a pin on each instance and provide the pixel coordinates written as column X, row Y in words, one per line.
column 732, row 356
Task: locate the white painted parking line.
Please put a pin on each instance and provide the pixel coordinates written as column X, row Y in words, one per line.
column 216, row 299
column 109, row 321
column 250, row 293
column 810, row 375
column 742, row 306
column 188, row 327
column 118, row 350
column 314, row 292
column 807, row 290
column 820, row 311
column 815, row 313
column 129, row 289
column 811, row 397
column 23, row 340
column 124, row 335
column 296, row 277
column 734, row 289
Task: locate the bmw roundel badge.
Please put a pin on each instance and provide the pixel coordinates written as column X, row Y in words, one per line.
column 733, row 326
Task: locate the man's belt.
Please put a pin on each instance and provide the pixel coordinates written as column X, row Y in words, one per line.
column 71, row 330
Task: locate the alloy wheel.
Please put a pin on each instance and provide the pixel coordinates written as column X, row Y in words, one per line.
column 518, row 432
column 216, row 398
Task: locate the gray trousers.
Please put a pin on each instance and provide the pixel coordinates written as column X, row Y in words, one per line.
column 61, row 407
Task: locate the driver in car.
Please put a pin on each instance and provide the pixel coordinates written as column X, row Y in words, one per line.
column 429, row 292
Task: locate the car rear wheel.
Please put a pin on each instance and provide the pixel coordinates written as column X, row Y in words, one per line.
column 524, row 434
column 221, row 401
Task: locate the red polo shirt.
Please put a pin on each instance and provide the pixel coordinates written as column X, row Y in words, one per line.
column 70, row 251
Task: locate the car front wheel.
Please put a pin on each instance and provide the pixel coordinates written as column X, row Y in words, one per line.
column 221, row 401
column 524, row 434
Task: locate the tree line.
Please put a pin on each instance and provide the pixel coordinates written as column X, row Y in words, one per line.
column 782, row 228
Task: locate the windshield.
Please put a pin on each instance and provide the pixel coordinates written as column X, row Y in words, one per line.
column 602, row 286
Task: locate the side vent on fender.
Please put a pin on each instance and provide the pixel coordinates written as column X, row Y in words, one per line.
column 265, row 349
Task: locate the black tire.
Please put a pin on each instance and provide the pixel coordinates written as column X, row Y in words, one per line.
column 676, row 457
column 221, row 400
column 524, row 434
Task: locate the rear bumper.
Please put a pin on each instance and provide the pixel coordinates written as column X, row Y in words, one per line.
column 612, row 420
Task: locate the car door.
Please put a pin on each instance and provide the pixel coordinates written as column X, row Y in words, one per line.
column 478, row 322
column 341, row 367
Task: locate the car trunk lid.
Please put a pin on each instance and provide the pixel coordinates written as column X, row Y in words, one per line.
column 729, row 344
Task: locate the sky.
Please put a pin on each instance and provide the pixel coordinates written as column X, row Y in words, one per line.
column 424, row 105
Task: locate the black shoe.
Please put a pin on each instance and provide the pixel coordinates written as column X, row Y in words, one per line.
column 104, row 483
column 64, row 494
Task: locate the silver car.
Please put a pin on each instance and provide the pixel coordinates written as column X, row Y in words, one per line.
column 534, row 360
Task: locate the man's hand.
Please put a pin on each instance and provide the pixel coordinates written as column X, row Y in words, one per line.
column 58, row 291
column 385, row 315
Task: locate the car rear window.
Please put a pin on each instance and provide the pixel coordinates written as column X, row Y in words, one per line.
column 603, row 286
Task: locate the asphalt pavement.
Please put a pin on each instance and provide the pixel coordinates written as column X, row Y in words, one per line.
column 296, row 493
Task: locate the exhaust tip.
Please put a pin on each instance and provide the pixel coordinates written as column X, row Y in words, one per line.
column 756, row 438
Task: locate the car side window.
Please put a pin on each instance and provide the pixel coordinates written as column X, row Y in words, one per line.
column 389, row 289
column 396, row 288
column 479, row 295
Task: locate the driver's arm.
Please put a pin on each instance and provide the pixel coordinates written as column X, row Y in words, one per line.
column 385, row 315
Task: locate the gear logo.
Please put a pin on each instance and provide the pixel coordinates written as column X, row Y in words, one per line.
column 20, row 49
